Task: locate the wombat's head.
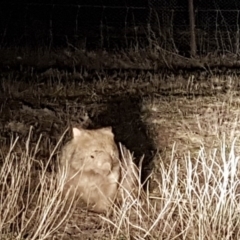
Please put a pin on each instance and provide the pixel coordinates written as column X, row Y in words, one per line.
column 93, row 150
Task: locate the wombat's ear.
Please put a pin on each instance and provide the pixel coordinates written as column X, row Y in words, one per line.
column 107, row 130
column 77, row 132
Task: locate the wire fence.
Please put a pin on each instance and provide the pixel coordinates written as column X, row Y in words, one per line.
column 128, row 24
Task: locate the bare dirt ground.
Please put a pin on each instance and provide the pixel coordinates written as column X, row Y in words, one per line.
column 150, row 112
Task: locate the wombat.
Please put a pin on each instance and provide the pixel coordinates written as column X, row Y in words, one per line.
column 91, row 162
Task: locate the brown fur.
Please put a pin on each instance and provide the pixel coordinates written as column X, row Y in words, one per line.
column 91, row 160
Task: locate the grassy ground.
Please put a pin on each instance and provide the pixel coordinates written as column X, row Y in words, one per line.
column 151, row 57
column 185, row 124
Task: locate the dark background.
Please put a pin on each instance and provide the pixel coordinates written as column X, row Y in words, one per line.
column 109, row 23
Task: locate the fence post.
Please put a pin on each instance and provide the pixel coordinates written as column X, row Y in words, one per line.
column 193, row 46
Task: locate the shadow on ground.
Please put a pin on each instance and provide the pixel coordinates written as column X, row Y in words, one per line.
column 124, row 114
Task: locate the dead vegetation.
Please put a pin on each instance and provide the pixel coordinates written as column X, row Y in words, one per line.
column 149, row 58
column 186, row 125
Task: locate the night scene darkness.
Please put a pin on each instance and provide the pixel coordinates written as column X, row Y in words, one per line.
column 111, row 24
column 119, row 119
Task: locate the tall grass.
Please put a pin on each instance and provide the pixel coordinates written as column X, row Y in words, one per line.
column 196, row 198
column 31, row 205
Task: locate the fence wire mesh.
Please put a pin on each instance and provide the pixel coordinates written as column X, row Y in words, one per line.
column 94, row 24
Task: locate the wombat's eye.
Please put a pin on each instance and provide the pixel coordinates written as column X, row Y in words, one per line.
column 92, row 156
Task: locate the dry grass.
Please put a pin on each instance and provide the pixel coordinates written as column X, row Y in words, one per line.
column 151, row 57
column 194, row 187
column 30, row 202
column 196, row 194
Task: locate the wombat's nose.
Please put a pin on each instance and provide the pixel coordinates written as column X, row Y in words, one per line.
column 103, row 168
